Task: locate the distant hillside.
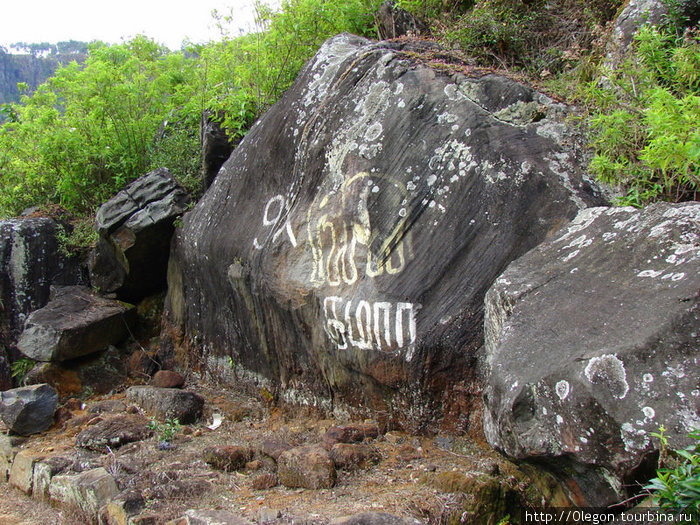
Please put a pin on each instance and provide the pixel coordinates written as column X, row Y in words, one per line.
column 33, row 64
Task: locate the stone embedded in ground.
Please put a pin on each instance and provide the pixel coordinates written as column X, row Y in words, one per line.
column 114, row 432
column 374, row 518
column 44, row 470
column 74, row 323
column 167, row 403
column 135, row 228
column 22, row 471
column 264, row 481
column 227, row 457
column 107, row 406
column 28, row 410
column 309, row 467
column 121, row 508
column 592, row 342
column 274, row 447
column 88, row 491
column 352, row 456
column 30, row 263
column 344, row 249
column 9, row 447
column 167, row 379
column 353, row 433
column 213, row 517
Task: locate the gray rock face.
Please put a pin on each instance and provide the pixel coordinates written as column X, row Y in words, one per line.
column 167, row 403
column 76, row 322
column 343, row 252
column 135, row 228
column 30, row 263
column 28, row 410
column 592, row 342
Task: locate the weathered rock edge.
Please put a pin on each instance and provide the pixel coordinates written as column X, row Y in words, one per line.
column 342, row 254
column 592, row 342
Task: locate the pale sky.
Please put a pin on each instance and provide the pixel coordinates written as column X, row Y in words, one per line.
column 168, row 22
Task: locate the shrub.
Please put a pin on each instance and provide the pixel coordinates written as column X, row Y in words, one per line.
column 643, row 119
column 677, row 488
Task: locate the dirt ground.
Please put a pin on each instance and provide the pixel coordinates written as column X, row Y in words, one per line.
column 407, row 476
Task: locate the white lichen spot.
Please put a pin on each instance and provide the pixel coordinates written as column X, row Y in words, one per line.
column 401, row 103
column 410, row 186
column 648, row 378
column 583, row 440
column 373, row 131
column 398, row 89
column 431, row 180
column 544, row 411
column 633, row 438
column 608, row 371
column 562, row 388
column 649, row 412
column 447, row 118
column 402, row 212
column 560, row 420
column 431, row 204
column 650, row 273
column 452, row 92
column 573, row 270
column 609, row 236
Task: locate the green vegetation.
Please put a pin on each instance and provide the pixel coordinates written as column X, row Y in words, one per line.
column 644, row 119
column 91, row 128
column 677, row 485
column 20, row 368
column 165, row 431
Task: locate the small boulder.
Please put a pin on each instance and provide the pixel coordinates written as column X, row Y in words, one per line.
column 309, row 467
column 44, row 470
column 167, row 379
column 354, row 433
column 114, row 432
column 107, row 406
column 89, row 490
column 352, row 456
column 167, row 403
column 264, row 481
column 28, row 410
column 75, row 322
column 227, row 458
column 22, row 471
column 274, row 447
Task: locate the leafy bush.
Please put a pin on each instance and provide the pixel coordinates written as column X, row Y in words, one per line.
column 137, row 106
column 20, row 368
column 165, row 431
column 644, row 117
column 677, row 489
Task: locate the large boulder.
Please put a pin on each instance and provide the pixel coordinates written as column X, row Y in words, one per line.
column 135, row 227
column 343, row 252
column 76, row 322
column 28, row 410
column 30, row 263
column 592, row 343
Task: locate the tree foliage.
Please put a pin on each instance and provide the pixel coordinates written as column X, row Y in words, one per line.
column 132, row 107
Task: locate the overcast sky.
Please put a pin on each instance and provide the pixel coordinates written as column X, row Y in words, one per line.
column 168, row 22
